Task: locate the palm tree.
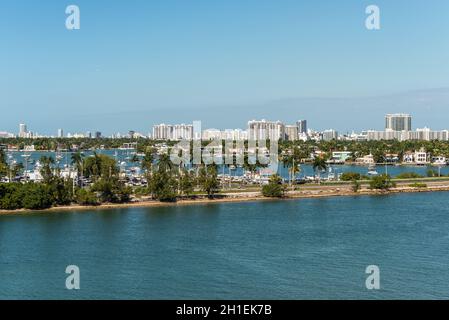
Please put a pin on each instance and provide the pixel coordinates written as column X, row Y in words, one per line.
column 147, row 162
column 164, row 163
column 319, row 164
column 77, row 161
column 252, row 168
column 46, row 170
column 292, row 161
column 96, row 168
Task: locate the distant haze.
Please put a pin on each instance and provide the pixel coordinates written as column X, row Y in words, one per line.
column 427, row 107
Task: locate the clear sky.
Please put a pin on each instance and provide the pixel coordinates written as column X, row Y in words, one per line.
column 139, row 62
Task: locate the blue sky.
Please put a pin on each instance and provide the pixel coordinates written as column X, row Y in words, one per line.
column 136, row 63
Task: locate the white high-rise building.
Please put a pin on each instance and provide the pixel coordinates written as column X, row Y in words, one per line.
column 182, row 132
column 162, row 131
column 291, row 133
column 173, row 132
column 60, row 133
column 228, row 134
column 398, row 122
column 210, row 134
column 23, row 132
column 302, row 126
column 328, row 135
column 264, row 130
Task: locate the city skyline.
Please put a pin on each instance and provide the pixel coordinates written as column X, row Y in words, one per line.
column 398, row 126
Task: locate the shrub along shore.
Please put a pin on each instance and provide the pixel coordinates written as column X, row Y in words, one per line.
column 236, row 197
column 233, row 196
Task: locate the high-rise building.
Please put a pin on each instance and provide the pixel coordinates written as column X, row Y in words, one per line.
column 173, row 132
column 97, row 135
column 329, row 135
column 162, row 131
column 182, row 132
column 291, row 133
column 264, row 130
column 60, row 133
column 23, row 132
column 302, row 126
column 398, row 122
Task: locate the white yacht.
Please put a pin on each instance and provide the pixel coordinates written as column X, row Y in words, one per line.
column 372, row 170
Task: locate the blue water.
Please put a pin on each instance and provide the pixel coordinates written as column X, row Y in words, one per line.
column 298, row 249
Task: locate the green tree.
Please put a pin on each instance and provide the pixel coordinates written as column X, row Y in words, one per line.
column 86, row 197
column 379, row 156
column 292, row 161
column 164, row 163
column 77, row 161
column 47, row 169
column 99, row 166
column 61, row 190
column 381, row 182
column 15, row 170
column 163, row 186
column 37, row 196
column 3, row 164
column 350, row 176
column 356, row 185
column 147, row 162
column 11, row 195
column 112, row 190
column 274, row 188
column 208, row 180
column 319, row 164
column 186, row 183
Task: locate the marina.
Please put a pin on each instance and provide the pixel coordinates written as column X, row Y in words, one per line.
column 128, row 161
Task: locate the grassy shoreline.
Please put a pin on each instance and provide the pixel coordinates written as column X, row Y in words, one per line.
column 240, row 197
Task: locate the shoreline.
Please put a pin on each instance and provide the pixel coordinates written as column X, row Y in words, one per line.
column 236, row 198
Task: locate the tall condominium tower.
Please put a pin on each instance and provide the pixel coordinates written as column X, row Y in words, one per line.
column 263, row 130
column 302, row 126
column 173, row 132
column 291, row 133
column 23, row 130
column 398, row 122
